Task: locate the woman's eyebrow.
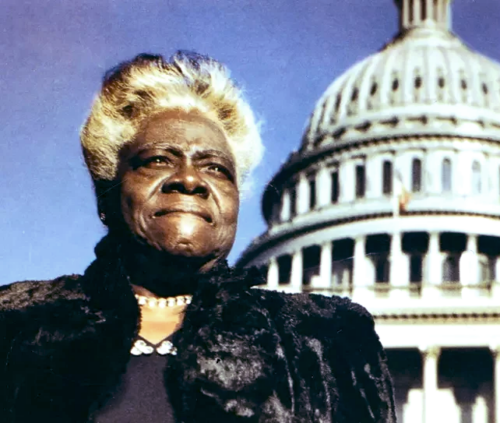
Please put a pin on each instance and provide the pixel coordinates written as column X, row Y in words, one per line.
column 165, row 147
column 205, row 154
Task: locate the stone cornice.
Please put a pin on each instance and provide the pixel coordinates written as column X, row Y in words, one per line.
column 438, row 318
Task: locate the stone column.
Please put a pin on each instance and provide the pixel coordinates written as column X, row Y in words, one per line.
column 323, row 187
column 416, row 11
column 480, row 410
column 399, row 271
column 347, row 179
column 297, row 272
column 374, row 185
column 362, row 286
column 273, row 274
column 430, row 356
column 325, row 270
column 469, row 268
column 496, row 381
column 434, row 267
column 303, row 194
column 430, row 10
column 285, row 206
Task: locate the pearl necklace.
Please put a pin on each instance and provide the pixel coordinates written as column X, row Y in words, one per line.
column 164, row 302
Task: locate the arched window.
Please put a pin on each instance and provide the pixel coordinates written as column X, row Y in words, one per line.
column 293, row 201
column 387, row 177
column 446, row 175
column 360, row 181
column 312, row 191
column 416, row 175
column 476, row 177
column 335, row 187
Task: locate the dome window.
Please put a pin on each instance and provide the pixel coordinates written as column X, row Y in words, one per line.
column 463, row 84
column 446, row 175
column 418, row 82
column 451, row 268
column 360, row 181
column 354, row 95
column 337, row 103
column 335, row 187
column 342, row 262
column 441, row 82
column 387, row 177
column 374, row 89
column 485, row 89
column 284, row 268
column 395, row 84
column 416, row 175
column 311, row 257
column 293, row 201
column 377, row 249
column 416, row 245
column 312, row 190
column 416, row 268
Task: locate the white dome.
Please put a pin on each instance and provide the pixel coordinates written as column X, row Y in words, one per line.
column 424, row 82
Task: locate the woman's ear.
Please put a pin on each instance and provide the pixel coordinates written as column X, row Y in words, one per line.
column 108, row 202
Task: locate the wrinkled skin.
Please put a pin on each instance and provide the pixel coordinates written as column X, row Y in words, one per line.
column 178, row 191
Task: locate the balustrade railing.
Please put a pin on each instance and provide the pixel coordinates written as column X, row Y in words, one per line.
column 414, row 290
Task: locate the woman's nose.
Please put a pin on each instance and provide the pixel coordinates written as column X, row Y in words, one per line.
column 186, row 180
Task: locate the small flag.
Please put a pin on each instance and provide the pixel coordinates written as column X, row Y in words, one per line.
column 401, row 195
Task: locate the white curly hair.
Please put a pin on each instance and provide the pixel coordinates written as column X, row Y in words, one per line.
column 148, row 84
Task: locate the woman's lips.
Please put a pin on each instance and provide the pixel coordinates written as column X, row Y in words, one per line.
column 184, row 210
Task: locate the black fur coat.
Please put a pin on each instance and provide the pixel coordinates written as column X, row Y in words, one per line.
column 245, row 355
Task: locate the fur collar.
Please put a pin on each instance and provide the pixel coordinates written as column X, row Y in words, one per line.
column 243, row 354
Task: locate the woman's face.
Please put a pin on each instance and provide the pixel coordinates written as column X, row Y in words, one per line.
column 179, row 192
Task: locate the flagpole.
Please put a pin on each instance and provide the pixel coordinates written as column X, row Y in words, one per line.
column 396, row 195
column 396, row 236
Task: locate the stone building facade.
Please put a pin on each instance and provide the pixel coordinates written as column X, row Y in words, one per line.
column 393, row 199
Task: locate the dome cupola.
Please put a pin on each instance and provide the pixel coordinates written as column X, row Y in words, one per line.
column 423, row 14
column 425, row 81
column 423, row 113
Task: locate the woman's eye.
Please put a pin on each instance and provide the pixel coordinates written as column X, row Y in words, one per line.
column 221, row 171
column 156, row 161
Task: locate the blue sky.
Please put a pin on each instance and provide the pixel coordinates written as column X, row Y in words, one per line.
column 53, row 54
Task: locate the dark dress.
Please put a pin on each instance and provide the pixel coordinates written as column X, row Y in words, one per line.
column 141, row 396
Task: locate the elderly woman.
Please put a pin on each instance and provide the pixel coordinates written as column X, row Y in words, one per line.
column 159, row 328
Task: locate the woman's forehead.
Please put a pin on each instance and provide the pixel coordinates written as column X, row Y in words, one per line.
column 183, row 131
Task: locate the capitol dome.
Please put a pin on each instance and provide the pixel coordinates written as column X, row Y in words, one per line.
column 425, row 81
column 393, row 199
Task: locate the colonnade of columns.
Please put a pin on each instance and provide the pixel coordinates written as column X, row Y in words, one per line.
column 430, row 402
column 312, row 188
column 363, row 282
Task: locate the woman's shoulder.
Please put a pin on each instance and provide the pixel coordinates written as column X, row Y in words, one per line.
column 308, row 310
column 315, row 303
column 21, row 295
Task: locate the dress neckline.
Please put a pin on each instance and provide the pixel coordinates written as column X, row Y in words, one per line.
column 142, row 346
